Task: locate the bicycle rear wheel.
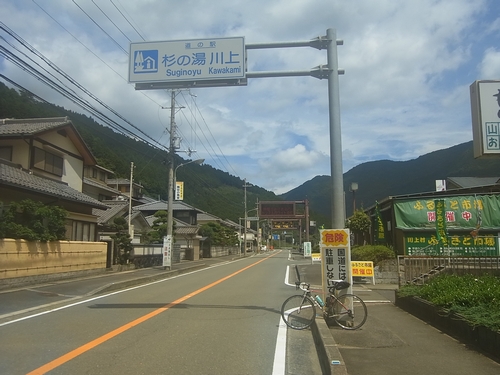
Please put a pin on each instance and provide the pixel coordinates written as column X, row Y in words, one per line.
column 298, row 312
column 349, row 311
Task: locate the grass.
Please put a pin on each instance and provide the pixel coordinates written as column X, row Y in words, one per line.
column 476, row 298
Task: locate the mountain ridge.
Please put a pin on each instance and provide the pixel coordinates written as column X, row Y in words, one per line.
column 391, row 178
column 221, row 194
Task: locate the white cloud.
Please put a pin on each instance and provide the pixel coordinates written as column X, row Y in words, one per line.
column 408, row 68
column 490, row 65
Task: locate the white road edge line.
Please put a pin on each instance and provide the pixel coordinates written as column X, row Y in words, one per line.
column 279, row 364
column 98, row 297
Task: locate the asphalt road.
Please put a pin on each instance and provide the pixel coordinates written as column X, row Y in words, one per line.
column 219, row 320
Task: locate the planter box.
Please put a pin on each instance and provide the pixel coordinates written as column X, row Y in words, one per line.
column 479, row 337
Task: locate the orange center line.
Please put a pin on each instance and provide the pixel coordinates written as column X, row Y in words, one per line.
column 100, row 340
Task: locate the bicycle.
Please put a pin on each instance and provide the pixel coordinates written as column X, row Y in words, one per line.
column 347, row 310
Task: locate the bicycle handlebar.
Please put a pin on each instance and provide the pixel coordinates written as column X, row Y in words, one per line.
column 303, row 286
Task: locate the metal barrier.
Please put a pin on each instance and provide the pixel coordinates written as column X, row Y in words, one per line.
column 418, row 269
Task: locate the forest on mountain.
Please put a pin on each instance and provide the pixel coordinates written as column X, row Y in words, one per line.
column 206, row 188
column 381, row 179
column 222, row 194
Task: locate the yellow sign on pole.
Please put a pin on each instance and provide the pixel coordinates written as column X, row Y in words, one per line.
column 363, row 269
column 179, row 190
column 315, row 257
column 334, row 237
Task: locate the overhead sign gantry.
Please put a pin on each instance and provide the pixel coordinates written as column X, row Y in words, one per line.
column 188, row 63
column 285, row 215
column 222, row 62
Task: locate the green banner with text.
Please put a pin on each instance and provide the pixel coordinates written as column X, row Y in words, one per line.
column 457, row 213
column 379, row 227
column 458, row 245
column 441, row 233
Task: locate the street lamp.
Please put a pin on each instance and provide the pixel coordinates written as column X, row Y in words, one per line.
column 245, row 227
column 354, row 187
column 246, row 220
column 197, row 161
column 171, row 190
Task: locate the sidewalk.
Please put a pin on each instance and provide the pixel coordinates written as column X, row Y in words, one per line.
column 392, row 341
column 395, row 342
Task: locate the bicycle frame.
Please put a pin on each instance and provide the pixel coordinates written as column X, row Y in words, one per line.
column 347, row 310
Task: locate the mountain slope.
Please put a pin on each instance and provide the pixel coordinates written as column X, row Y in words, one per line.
column 221, row 194
column 206, row 188
column 380, row 179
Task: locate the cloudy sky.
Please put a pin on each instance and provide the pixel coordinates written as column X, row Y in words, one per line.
column 405, row 92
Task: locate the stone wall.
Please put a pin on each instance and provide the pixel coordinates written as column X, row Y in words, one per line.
column 220, row 251
column 387, row 272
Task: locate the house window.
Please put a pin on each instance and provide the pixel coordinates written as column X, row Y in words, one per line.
column 48, row 162
column 6, row 153
column 83, row 231
column 94, row 173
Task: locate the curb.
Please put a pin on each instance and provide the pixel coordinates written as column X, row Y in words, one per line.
column 330, row 359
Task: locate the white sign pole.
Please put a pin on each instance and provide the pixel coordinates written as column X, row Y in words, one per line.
column 167, row 251
column 307, row 249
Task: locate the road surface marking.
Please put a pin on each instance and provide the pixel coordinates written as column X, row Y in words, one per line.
column 98, row 341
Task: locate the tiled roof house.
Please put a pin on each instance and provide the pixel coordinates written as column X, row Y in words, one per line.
column 43, row 159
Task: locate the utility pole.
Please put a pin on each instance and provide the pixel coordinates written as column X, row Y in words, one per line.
column 307, row 219
column 259, row 239
column 167, row 258
column 337, row 178
column 130, row 230
column 245, row 221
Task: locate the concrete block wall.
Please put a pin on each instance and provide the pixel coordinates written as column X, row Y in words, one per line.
column 21, row 259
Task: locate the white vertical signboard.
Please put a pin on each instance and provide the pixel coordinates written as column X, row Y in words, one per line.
column 335, row 257
column 307, row 249
column 179, row 190
column 485, row 106
column 167, row 251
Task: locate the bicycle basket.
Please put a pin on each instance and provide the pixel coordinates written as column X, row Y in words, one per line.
column 342, row 285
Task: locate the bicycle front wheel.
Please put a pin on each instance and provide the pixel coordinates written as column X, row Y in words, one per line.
column 298, row 312
column 349, row 311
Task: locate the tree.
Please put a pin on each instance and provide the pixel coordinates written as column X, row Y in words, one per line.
column 219, row 235
column 358, row 223
column 33, row 221
column 160, row 226
column 123, row 242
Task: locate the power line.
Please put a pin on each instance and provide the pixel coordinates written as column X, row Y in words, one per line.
column 216, row 158
column 19, row 86
column 111, row 21
column 104, row 31
column 92, row 52
column 99, row 114
column 126, row 19
column 69, row 78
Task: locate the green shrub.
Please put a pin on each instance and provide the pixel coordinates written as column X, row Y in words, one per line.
column 33, row 221
column 374, row 253
column 476, row 298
